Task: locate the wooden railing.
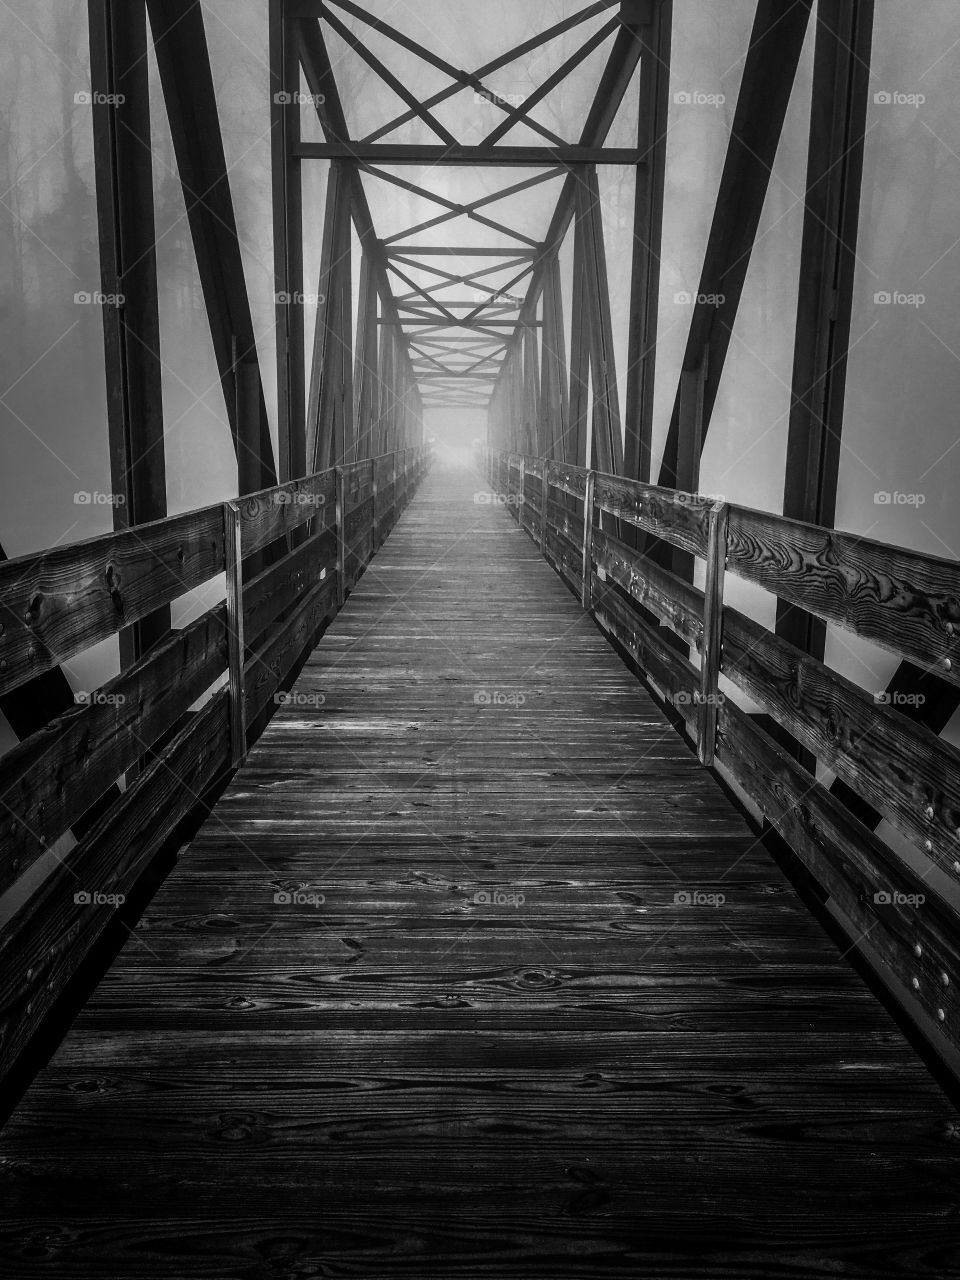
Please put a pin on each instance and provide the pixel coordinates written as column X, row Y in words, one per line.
column 318, row 533
column 903, row 601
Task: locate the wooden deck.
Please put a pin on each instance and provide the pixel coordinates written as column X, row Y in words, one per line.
column 490, row 1038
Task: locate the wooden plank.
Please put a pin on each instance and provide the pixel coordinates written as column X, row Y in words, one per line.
column 894, row 911
column 56, row 604
column 902, row 600
column 50, row 779
column 46, row 940
column 671, row 599
column 267, row 669
column 680, row 518
column 907, row 773
column 271, row 593
column 677, row 677
column 271, row 513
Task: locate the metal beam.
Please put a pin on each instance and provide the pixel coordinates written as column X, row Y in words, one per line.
column 128, row 274
column 437, row 154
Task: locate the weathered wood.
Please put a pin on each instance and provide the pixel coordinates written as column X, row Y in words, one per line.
column 906, row 772
column 266, row 670
column 47, row 939
column 271, row 593
column 903, row 600
column 680, row 518
column 677, row 677
column 675, row 602
column 60, row 602
column 51, row 778
column 273, row 512
column 892, row 909
column 420, row 1039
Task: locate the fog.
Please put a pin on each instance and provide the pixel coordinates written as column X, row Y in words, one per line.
column 900, row 435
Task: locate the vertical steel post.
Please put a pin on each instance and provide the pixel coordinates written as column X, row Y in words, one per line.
column 712, row 632
column 586, row 595
column 523, row 477
column 544, row 495
column 233, row 563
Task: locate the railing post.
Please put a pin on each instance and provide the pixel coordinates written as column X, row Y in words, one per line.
column 544, row 495
column 341, row 539
column 375, row 523
column 712, row 632
column 523, row 477
column 586, row 595
column 233, row 564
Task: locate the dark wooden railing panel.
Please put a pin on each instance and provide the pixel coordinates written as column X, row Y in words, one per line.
column 902, row 600
column 56, row 604
column 280, row 586
column 675, row 602
column 676, row 676
column 681, row 518
column 912, row 930
column 45, row 942
column 906, row 772
column 265, row 671
column 52, row 778
column 271, row 513
column 571, row 480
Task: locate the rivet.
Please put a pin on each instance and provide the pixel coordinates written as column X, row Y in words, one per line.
column 928, row 845
column 948, row 664
column 944, row 977
column 3, row 664
column 917, row 950
column 28, row 618
column 916, row 984
column 929, row 811
column 949, row 628
column 941, row 1015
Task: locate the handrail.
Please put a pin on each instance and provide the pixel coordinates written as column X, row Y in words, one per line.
column 57, row 603
column 905, row 601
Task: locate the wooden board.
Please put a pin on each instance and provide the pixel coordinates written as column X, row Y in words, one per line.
column 421, row 1075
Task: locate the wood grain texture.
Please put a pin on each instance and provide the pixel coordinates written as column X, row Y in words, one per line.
column 903, row 600
column 905, row 771
column 500, row 1045
column 51, row 778
column 56, row 604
